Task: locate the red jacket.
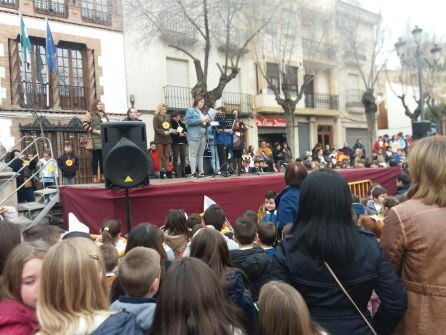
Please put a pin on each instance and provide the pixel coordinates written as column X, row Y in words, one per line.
column 17, row 318
column 156, row 164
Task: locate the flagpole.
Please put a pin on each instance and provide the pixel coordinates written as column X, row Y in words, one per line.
column 47, row 67
column 24, row 58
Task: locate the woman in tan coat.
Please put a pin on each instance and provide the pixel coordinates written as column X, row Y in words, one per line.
column 414, row 239
column 161, row 126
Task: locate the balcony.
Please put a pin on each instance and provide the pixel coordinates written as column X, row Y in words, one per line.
column 353, row 102
column 177, row 97
column 177, row 31
column 9, row 3
column 237, row 39
column 48, row 7
column 32, row 95
column 321, row 101
column 240, row 101
column 312, row 48
column 96, row 16
column 72, row 97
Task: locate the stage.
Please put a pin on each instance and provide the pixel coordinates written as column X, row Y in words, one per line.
column 92, row 203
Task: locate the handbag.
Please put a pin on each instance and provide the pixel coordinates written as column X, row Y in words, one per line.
column 350, row 298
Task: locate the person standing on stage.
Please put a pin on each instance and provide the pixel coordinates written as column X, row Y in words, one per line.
column 223, row 141
column 132, row 114
column 69, row 164
column 48, row 170
column 92, row 124
column 179, row 143
column 196, row 122
column 238, row 142
column 162, row 139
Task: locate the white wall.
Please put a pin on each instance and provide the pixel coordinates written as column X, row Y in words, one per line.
column 111, row 60
column 398, row 121
column 6, row 140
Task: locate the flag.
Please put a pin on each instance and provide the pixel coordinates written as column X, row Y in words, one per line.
column 25, row 43
column 50, row 49
column 207, row 202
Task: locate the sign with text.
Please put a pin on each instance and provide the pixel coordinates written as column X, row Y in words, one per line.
column 270, row 122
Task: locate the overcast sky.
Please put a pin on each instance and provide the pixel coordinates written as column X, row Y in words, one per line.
column 430, row 15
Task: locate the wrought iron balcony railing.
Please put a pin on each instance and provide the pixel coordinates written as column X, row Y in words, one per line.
column 72, row 97
column 96, row 16
column 32, row 95
column 317, row 49
column 353, row 98
column 8, row 3
column 321, row 101
column 178, row 97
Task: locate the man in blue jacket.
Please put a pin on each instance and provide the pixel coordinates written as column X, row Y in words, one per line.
column 287, row 202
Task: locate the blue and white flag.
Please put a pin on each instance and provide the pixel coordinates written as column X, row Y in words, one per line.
column 25, row 43
column 50, row 49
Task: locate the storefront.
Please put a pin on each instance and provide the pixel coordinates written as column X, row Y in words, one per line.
column 271, row 129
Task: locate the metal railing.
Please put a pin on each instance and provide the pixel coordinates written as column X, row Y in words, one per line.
column 47, row 143
column 240, row 101
column 51, row 7
column 72, row 97
column 177, row 97
column 96, row 16
column 314, row 48
column 321, row 101
column 353, row 97
column 33, row 95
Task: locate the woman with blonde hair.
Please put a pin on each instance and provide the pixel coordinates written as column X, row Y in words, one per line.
column 283, row 311
column 161, row 126
column 414, row 239
column 73, row 293
column 92, row 121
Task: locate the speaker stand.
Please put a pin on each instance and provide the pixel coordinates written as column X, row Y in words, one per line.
column 128, row 210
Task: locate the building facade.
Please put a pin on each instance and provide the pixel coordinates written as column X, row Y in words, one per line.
column 330, row 111
column 88, row 36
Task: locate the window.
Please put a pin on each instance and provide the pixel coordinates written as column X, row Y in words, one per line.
column 53, row 7
column 96, row 11
column 291, row 79
column 272, row 72
column 9, row 3
column 34, row 77
column 70, row 61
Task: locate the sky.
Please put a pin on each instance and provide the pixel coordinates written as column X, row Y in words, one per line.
column 397, row 14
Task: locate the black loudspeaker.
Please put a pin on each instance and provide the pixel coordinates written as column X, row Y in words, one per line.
column 421, row 129
column 124, row 154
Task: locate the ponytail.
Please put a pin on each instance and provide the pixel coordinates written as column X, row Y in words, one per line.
column 110, row 230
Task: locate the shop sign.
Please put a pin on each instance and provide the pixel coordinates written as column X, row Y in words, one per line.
column 270, row 122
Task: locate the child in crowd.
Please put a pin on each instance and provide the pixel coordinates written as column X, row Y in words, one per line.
column 402, row 183
column 268, row 212
column 111, row 233
column 193, row 220
column 209, row 246
column 253, row 261
column 48, row 233
column 191, row 301
column 110, row 255
column 20, row 284
column 388, row 203
column 139, row 275
column 10, row 236
column 371, row 224
column 73, row 293
column 176, row 233
column 375, row 205
column 267, row 236
column 154, row 169
column 283, row 311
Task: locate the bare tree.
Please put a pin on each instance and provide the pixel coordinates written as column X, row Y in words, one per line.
column 364, row 46
column 229, row 24
column 280, row 47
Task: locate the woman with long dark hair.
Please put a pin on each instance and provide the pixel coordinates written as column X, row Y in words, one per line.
column 191, row 302
column 210, row 246
column 176, row 233
column 92, row 124
column 323, row 238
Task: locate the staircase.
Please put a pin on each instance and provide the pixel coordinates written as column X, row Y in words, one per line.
column 46, row 209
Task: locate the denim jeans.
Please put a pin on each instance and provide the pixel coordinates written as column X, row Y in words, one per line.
column 196, row 151
column 214, row 160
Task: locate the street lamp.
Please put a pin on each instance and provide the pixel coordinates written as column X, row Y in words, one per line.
column 400, row 48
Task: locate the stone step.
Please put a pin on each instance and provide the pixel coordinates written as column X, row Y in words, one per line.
column 29, row 206
column 45, row 191
column 21, row 220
